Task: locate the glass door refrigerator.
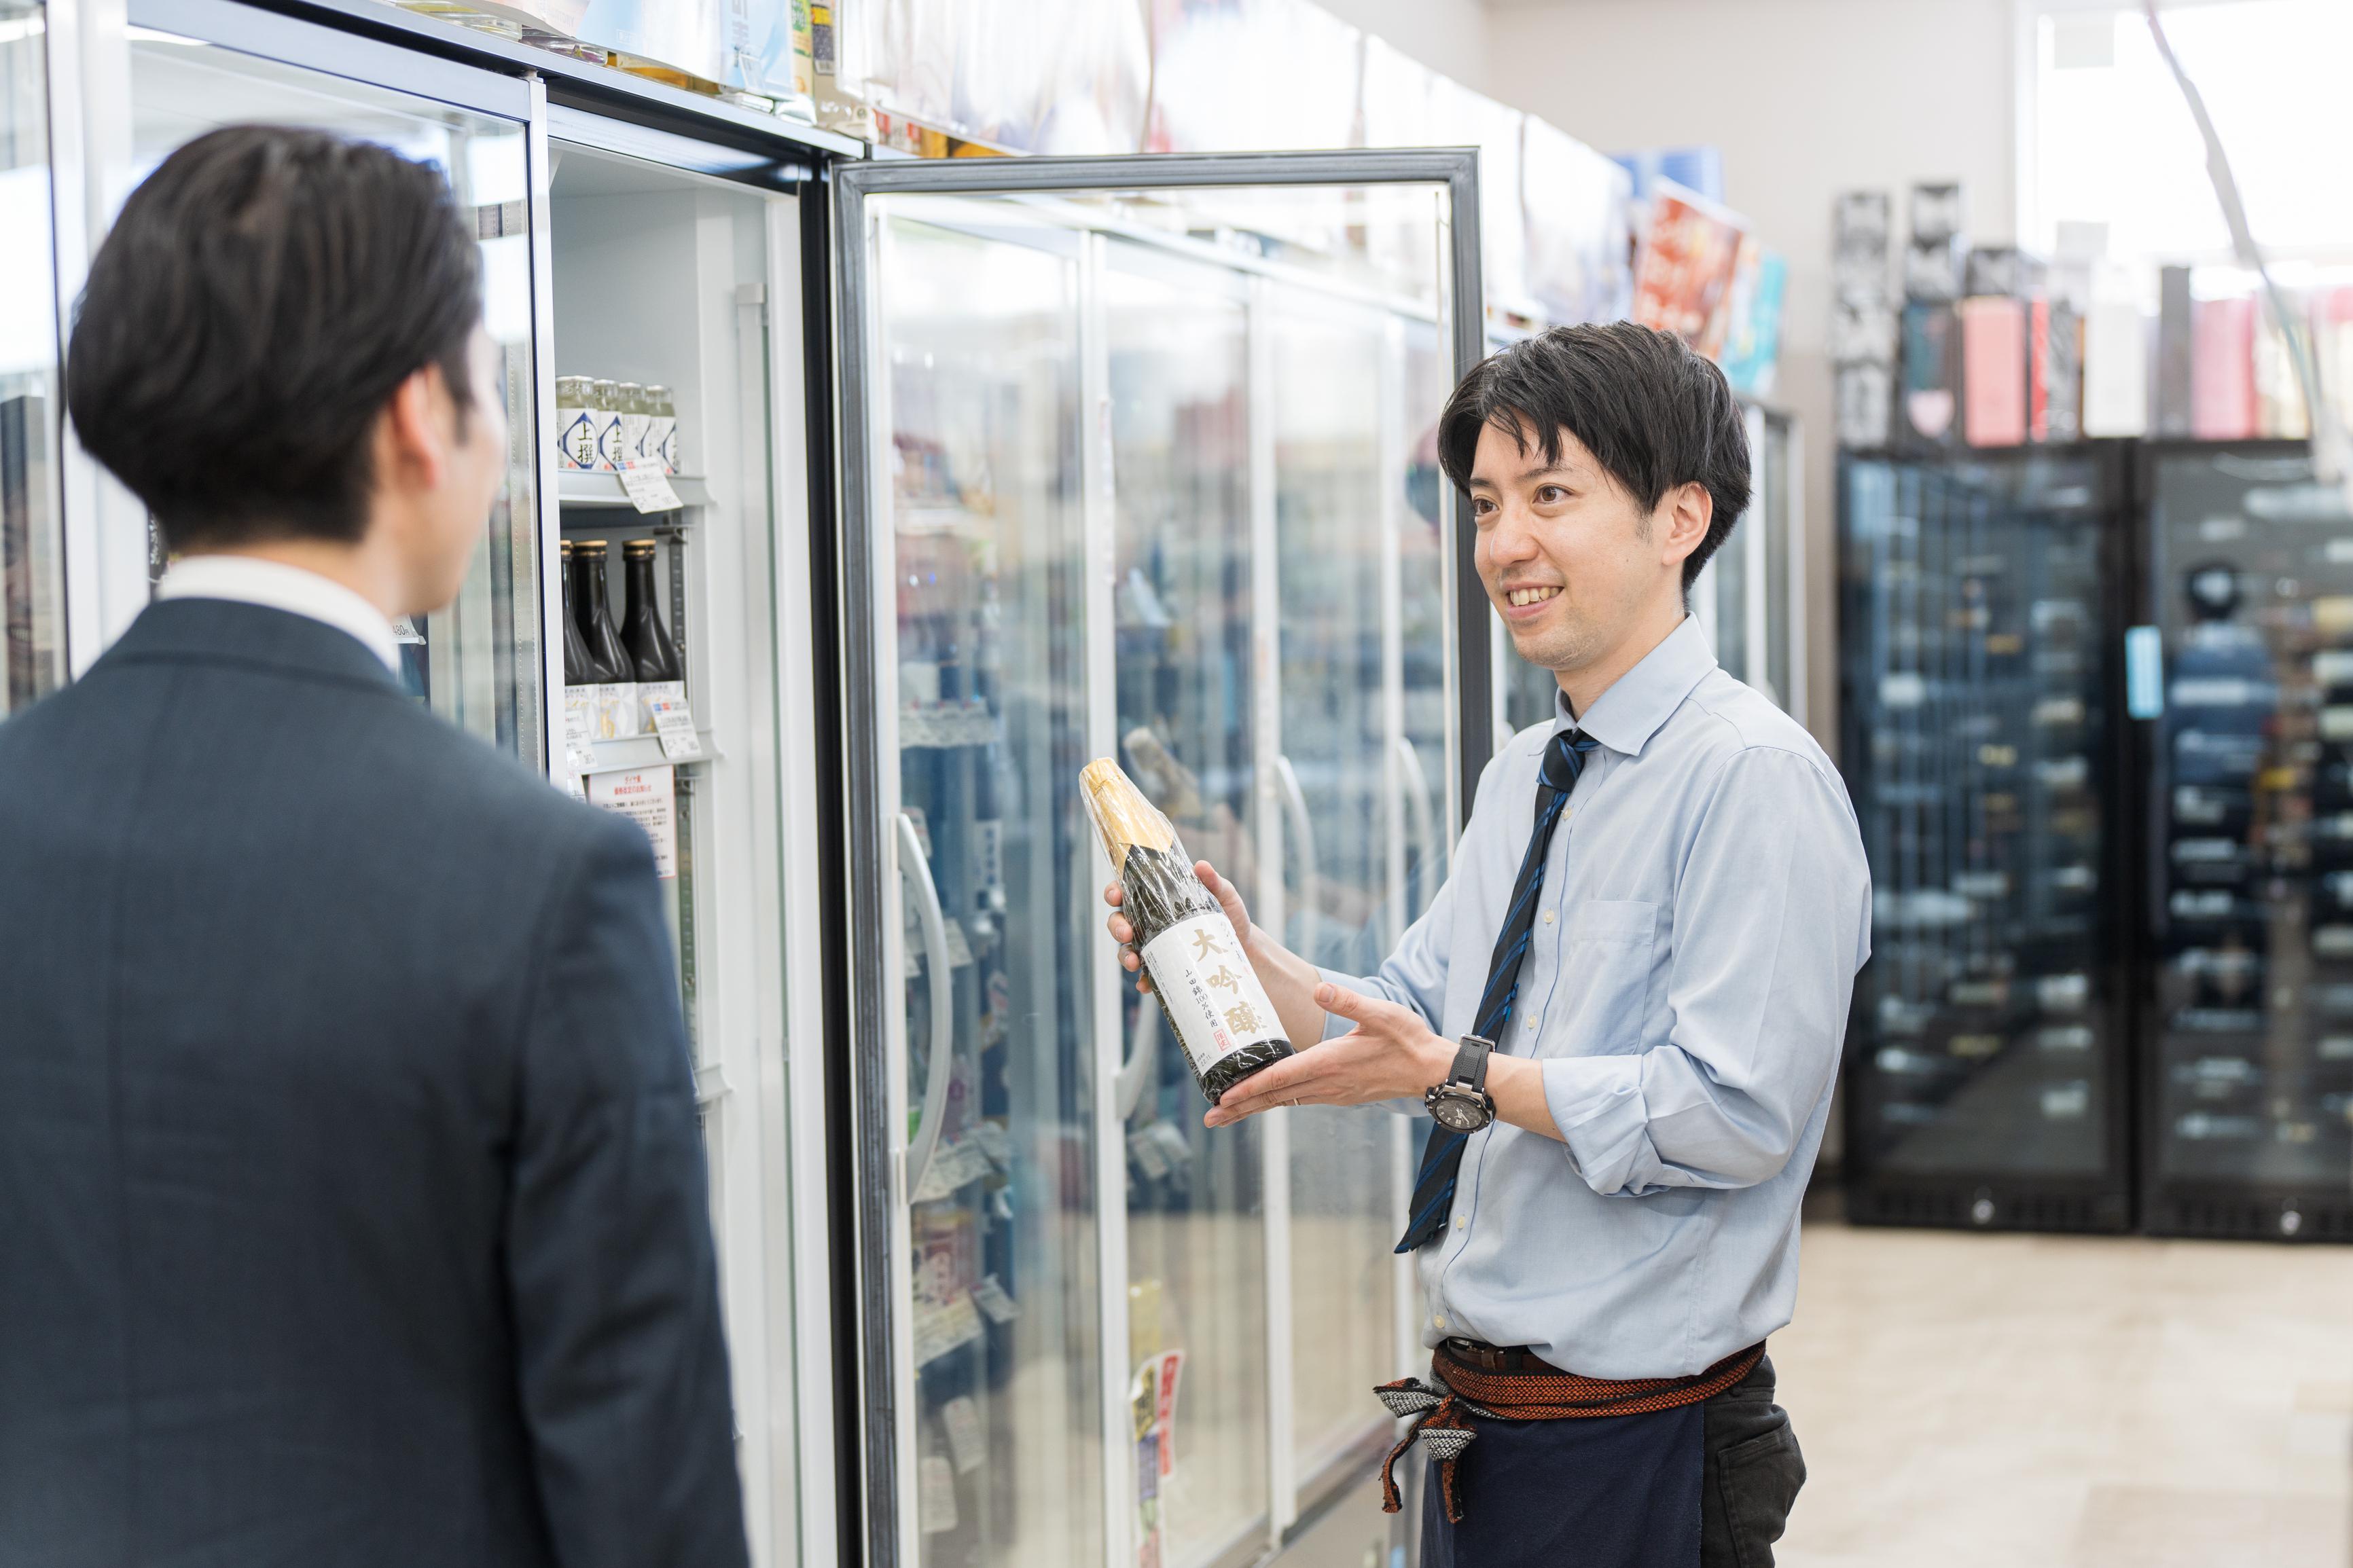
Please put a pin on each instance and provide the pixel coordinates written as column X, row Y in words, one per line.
column 1130, row 470
column 644, row 283
column 2242, row 698
column 33, row 611
column 1986, row 1079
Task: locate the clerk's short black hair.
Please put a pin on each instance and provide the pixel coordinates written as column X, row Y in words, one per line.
column 263, row 293
column 1653, row 414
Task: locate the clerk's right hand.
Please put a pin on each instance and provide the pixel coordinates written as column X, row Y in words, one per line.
column 1122, row 932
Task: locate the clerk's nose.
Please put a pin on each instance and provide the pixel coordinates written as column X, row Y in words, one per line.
column 1508, row 540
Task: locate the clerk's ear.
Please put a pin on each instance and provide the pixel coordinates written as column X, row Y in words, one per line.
column 1681, row 519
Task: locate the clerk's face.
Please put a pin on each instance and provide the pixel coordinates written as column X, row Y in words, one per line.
column 1569, row 560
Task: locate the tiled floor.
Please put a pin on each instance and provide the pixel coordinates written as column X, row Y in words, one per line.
column 1966, row 1401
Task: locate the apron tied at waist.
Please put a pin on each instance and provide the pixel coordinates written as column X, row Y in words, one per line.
column 1536, row 1392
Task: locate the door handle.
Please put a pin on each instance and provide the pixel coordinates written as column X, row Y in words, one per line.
column 1303, row 833
column 917, row 872
column 1138, row 1068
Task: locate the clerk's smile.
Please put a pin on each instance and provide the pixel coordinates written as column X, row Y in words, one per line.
column 1529, row 595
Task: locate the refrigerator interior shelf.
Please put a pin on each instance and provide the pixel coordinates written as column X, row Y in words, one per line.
column 642, row 752
column 574, row 489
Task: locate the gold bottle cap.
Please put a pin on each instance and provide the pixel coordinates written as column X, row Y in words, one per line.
column 1123, row 817
column 563, row 548
column 589, row 547
column 638, row 547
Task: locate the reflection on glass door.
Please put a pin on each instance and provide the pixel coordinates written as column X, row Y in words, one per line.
column 1068, row 387
column 1334, row 518
column 1178, row 344
column 477, row 662
column 32, row 582
column 979, row 346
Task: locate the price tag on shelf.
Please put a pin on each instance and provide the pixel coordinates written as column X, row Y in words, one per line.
column 674, row 726
column 648, row 485
column 579, row 738
column 993, row 1299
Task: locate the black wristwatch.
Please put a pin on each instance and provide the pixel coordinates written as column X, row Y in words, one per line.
column 1461, row 1104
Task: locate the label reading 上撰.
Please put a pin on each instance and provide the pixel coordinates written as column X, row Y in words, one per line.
column 1212, row 995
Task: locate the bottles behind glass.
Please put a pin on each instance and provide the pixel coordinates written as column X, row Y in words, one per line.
column 576, row 662
column 609, row 659
column 652, row 654
column 1210, row 996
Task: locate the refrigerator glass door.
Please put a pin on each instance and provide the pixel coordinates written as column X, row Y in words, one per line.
column 32, row 544
column 2251, row 849
column 477, row 662
column 660, row 276
column 1065, row 442
column 1977, row 748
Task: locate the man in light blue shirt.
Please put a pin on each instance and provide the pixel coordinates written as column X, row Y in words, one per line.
column 1656, row 911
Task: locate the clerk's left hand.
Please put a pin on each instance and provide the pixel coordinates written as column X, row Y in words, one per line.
column 1390, row 1054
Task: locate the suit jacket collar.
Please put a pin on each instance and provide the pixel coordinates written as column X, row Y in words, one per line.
column 226, row 631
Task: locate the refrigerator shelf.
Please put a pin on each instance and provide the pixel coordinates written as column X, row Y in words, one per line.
column 578, row 490
column 642, row 752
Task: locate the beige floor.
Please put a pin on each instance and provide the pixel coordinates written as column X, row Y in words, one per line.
column 2039, row 1402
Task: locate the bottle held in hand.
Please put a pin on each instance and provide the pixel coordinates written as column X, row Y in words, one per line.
column 1211, row 997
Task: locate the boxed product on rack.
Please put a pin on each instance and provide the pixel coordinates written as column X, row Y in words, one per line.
column 1684, row 267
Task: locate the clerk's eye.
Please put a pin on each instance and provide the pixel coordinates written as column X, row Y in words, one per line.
column 1550, row 495
column 1480, row 506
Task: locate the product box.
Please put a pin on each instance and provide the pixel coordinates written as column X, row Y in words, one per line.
column 2116, row 358
column 1865, row 395
column 2223, row 371
column 2171, row 413
column 1993, row 372
column 1685, row 268
column 1927, row 411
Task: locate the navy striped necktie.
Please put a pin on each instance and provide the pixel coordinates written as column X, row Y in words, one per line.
column 1441, row 1157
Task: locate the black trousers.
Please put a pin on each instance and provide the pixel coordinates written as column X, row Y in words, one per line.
column 1749, row 1475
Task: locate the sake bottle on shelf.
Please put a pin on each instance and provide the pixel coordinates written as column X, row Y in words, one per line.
column 1211, row 997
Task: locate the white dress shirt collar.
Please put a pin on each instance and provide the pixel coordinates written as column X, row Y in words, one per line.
column 249, row 580
column 1628, row 713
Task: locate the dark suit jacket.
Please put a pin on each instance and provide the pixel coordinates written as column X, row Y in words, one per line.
column 352, row 1199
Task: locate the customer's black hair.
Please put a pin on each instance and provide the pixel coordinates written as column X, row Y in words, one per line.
column 1653, row 414
column 255, row 306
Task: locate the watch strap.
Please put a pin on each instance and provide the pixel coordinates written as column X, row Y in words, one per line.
column 1470, row 1063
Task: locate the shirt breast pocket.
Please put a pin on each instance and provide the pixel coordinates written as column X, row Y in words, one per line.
column 1604, row 987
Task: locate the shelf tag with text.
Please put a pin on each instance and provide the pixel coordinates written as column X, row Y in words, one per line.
column 649, row 486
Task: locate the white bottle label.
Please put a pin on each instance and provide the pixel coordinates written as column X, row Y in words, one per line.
column 577, row 446
column 1213, row 994
column 607, row 424
column 661, row 439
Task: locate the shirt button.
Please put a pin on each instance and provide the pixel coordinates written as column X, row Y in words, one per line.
column 1462, row 1220
column 1531, row 1023
column 1438, row 1323
column 1548, row 916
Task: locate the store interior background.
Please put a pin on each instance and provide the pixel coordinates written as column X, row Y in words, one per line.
column 1995, row 1394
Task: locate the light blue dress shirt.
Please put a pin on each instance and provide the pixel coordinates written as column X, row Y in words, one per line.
column 1706, row 907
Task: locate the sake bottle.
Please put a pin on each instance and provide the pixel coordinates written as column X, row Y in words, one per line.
column 1211, row 997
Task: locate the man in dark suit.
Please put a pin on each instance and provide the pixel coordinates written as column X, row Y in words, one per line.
column 351, row 1200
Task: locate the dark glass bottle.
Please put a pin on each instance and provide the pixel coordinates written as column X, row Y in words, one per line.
column 652, row 652
column 1208, row 994
column 576, row 647
column 608, row 661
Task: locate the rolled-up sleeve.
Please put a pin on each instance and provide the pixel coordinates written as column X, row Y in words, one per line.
column 1771, row 919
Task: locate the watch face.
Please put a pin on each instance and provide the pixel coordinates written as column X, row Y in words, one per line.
column 1458, row 1113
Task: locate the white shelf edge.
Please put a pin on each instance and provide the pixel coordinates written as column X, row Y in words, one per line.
column 577, row 489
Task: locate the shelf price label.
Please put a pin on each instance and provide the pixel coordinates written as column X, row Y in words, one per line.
column 649, row 486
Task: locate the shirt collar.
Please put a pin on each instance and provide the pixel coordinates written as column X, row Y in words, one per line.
column 1626, row 716
column 273, row 585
